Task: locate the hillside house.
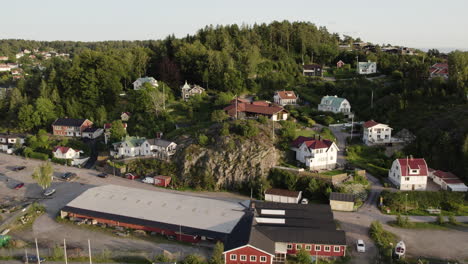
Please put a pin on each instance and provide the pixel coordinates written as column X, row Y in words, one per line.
column 125, row 116
column 243, row 109
column 189, row 90
column 376, row 133
column 129, row 147
column 409, row 174
column 9, row 141
column 334, row 104
column 92, row 132
column 107, row 130
column 315, row 153
column 282, row 196
column 276, row 230
column 285, row 98
column 447, row 181
column 340, row 64
column 70, row 127
column 136, row 146
column 367, row 67
column 439, row 70
column 137, row 85
column 160, row 148
column 66, row 153
column 312, row 70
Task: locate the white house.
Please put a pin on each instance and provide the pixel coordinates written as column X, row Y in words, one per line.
column 125, row 116
column 129, row 147
column 8, row 141
column 447, row 181
column 367, row 67
column 285, row 98
column 92, row 132
column 136, row 146
column 334, row 104
column 189, row 90
column 409, row 174
column 140, row 81
column 282, row 196
column 161, row 148
column 376, row 133
column 317, row 154
column 66, row 153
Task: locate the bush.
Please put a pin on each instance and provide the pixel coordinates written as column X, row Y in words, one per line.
column 448, row 201
column 382, row 238
column 225, row 129
column 452, row 220
column 440, row 220
column 262, row 119
column 61, row 161
column 37, row 155
column 402, row 221
column 202, row 139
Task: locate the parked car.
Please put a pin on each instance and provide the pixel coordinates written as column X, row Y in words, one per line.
column 48, row 192
column 19, row 186
column 103, row 175
column 360, row 246
column 304, row 201
column 130, row 176
column 68, row 176
column 32, row 259
column 149, row 180
column 18, row 168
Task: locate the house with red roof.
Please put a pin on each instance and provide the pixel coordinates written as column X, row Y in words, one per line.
column 447, row 181
column 376, row 133
column 285, row 98
column 125, row 116
column 243, row 109
column 409, row 174
column 315, row 153
column 66, row 153
column 439, row 70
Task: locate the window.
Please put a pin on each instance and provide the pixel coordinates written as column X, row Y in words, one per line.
column 262, row 259
column 327, row 248
column 233, row 257
column 308, row 247
column 298, row 246
column 290, row 246
column 336, row 249
column 253, row 258
column 318, row 248
column 407, row 178
column 243, row 257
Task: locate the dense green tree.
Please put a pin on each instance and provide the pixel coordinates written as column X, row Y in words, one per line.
column 117, row 131
column 43, row 175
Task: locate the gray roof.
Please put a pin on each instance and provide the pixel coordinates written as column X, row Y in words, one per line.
column 73, row 122
column 159, row 142
column 163, row 207
column 345, row 197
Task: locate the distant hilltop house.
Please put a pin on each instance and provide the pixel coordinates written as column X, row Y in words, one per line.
column 376, row 133
column 409, row 174
column 340, row 64
column 439, row 70
column 447, row 181
column 243, row 109
column 285, row 98
column 125, row 116
column 140, row 81
column 136, row 146
column 3, row 58
column 189, row 90
column 367, row 67
column 334, row 104
column 70, row 127
column 312, row 70
column 315, row 153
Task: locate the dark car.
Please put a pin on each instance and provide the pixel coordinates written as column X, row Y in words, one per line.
column 103, row 175
column 68, row 176
column 19, row 186
column 18, row 168
column 32, row 259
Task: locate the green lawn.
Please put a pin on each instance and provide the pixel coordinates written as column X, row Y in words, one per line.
column 332, row 172
column 429, row 225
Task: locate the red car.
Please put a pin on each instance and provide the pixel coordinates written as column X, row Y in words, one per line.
column 19, row 186
column 130, row 176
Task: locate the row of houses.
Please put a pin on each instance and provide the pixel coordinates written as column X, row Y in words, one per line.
column 316, row 70
column 187, row 90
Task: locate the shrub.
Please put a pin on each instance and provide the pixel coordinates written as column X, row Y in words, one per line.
column 37, row 155
column 61, row 161
column 262, row 119
column 452, row 220
column 225, row 129
column 440, row 220
column 402, row 221
column 382, row 238
column 202, row 139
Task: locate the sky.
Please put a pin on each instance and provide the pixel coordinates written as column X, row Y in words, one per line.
column 414, row 23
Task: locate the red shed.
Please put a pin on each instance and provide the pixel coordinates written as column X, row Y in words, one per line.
column 162, row 181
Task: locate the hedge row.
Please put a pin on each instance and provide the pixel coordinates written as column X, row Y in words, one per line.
column 37, row 155
column 448, row 201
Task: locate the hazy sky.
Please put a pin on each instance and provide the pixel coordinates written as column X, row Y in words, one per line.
column 413, row 23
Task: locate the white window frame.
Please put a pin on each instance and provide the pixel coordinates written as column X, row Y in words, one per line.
column 318, row 248
column 336, row 247
column 263, row 259
column 298, row 246
column 325, row 248
column 290, row 246
column 308, row 247
column 243, row 257
column 253, row 258
column 233, row 257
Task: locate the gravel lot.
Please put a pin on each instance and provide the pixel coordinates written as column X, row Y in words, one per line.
column 49, row 232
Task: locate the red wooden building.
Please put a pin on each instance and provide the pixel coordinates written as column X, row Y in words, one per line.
column 70, row 127
column 162, row 181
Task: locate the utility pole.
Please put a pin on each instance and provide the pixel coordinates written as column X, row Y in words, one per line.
column 65, row 251
column 89, row 250
column 26, row 253
column 37, row 252
column 273, row 129
column 352, row 124
column 372, row 99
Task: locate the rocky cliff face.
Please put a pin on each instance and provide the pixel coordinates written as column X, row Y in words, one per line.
column 226, row 161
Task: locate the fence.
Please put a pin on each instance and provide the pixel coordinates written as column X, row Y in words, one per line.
column 290, row 169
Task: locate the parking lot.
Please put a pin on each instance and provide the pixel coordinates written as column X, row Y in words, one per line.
column 49, row 232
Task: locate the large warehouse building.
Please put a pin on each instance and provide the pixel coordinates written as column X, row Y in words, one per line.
column 187, row 218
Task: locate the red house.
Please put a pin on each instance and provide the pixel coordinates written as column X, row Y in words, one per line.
column 162, row 181
column 70, row 127
column 340, row 64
